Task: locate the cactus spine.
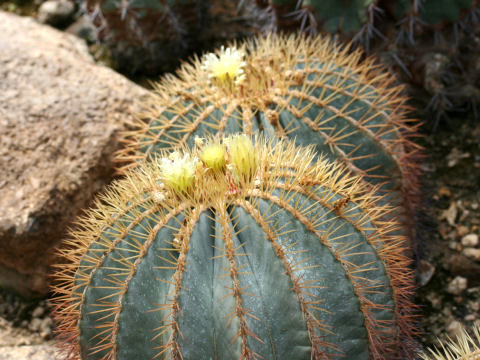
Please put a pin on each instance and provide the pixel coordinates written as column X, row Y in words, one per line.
column 273, row 255
column 310, row 89
column 464, row 347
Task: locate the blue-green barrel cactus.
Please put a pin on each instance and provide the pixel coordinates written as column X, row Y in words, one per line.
column 235, row 250
column 308, row 89
column 361, row 16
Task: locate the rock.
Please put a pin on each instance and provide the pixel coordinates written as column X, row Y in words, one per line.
column 454, row 328
column 38, row 312
column 59, row 116
column 46, row 328
column 425, row 272
column 450, row 214
column 470, row 240
column 462, row 230
column 55, row 12
column 457, row 285
column 83, row 28
column 472, row 253
column 35, row 324
column 459, row 264
column 35, row 352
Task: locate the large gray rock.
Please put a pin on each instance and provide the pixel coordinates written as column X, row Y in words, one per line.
column 59, row 116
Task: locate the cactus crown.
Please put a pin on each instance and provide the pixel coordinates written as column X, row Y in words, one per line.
column 290, row 86
column 253, row 258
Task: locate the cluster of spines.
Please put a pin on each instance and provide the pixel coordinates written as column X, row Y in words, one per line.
column 190, row 103
column 141, row 188
column 463, row 347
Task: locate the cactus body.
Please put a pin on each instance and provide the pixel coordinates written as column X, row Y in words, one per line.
column 150, row 36
column 288, row 261
column 307, row 89
column 353, row 17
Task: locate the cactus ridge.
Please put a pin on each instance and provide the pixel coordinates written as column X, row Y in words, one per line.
column 310, row 89
column 298, row 235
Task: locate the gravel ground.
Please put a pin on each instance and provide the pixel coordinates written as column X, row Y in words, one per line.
column 450, row 269
column 25, row 329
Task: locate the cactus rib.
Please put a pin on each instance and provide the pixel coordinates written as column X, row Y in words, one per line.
column 258, row 264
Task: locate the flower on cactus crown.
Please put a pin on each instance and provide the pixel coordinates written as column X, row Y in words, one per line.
column 178, row 173
column 228, row 66
column 243, row 160
column 213, row 156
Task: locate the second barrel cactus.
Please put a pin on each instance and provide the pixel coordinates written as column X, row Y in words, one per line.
column 236, row 251
column 308, row 89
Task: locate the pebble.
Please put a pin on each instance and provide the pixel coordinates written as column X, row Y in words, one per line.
column 454, row 328
column 462, row 230
column 472, row 253
column 470, row 240
column 452, row 245
column 457, row 285
column 83, row 28
column 38, row 312
column 55, row 12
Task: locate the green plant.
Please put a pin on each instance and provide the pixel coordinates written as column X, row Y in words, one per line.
column 361, row 18
column 409, row 36
column 308, row 89
column 236, row 251
column 150, row 36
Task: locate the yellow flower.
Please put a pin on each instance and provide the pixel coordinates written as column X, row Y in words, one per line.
column 213, row 156
column 178, row 173
column 226, row 67
column 242, row 155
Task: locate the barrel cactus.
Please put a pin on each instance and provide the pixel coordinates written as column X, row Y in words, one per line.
column 236, row 250
column 308, row 89
column 149, row 36
column 358, row 17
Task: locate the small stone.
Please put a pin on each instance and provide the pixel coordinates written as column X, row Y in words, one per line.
column 475, row 305
column 450, row 214
column 83, row 28
column 435, row 300
column 444, row 191
column 457, row 285
column 452, row 245
column 472, row 253
column 425, row 272
column 35, row 324
column 470, row 317
column 454, row 328
column 46, row 328
column 462, row 230
column 470, row 240
column 38, row 312
column 55, row 12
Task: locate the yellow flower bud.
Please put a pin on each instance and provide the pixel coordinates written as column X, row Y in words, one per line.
column 228, row 66
column 178, row 173
column 242, row 156
column 213, row 156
